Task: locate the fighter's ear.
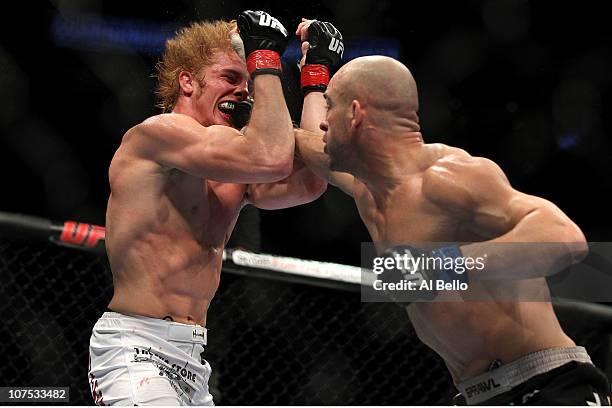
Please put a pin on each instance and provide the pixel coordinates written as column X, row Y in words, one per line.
column 356, row 113
column 186, row 82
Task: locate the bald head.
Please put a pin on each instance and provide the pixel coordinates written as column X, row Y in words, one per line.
column 382, row 82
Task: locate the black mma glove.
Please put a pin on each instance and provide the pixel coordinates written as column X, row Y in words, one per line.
column 324, row 52
column 264, row 39
column 241, row 114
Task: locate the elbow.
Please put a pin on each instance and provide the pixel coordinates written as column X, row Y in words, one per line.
column 573, row 240
column 272, row 166
column 576, row 243
column 564, row 232
column 315, row 187
column 284, row 166
column 283, row 162
column 277, row 170
column 312, row 187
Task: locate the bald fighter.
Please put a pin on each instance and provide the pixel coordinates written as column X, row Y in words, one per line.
column 407, row 191
column 178, row 182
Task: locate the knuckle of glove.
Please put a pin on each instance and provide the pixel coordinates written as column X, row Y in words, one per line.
column 243, row 22
column 260, row 31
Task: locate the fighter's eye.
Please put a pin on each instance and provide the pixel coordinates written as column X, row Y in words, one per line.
column 231, row 79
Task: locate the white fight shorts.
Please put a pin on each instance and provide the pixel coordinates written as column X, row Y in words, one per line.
column 137, row 360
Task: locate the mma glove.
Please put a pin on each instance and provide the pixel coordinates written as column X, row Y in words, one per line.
column 241, row 113
column 265, row 39
column 324, row 53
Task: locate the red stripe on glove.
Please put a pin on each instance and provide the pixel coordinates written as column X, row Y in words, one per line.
column 263, row 59
column 314, row 75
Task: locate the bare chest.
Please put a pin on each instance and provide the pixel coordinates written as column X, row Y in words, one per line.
column 206, row 209
column 406, row 217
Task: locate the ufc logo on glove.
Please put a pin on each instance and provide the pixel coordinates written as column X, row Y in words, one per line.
column 267, row 20
column 336, row 45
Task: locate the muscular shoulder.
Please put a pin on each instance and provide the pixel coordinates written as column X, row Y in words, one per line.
column 158, row 127
column 138, row 146
column 457, row 177
column 458, row 164
column 161, row 135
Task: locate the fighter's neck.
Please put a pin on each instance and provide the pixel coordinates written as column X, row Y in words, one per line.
column 389, row 157
column 183, row 107
column 393, row 167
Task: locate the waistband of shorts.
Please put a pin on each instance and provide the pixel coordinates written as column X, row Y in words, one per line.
column 508, row 376
column 171, row 331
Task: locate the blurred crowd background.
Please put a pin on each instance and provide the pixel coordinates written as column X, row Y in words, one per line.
column 524, row 83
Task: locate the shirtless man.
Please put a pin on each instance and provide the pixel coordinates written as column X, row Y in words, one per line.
column 178, row 182
column 407, row 191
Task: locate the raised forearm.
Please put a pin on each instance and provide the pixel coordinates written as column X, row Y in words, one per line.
column 309, row 148
column 270, row 126
column 264, row 39
column 313, row 112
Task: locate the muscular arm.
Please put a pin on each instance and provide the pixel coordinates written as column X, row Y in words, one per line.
column 307, row 183
column 313, row 111
column 535, row 237
column 264, row 153
column 303, row 185
column 309, row 147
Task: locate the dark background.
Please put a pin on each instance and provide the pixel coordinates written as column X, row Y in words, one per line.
column 526, row 84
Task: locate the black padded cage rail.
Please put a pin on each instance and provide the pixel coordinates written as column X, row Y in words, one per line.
column 274, row 338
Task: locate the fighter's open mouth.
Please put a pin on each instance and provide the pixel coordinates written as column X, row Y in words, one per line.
column 226, row 107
